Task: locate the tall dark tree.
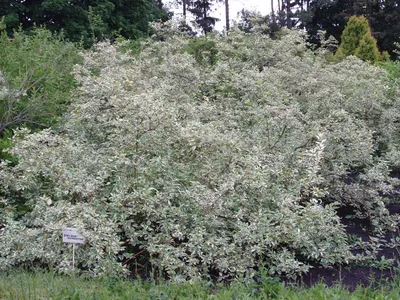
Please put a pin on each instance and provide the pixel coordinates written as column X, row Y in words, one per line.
column 11, row 13
column 288, row 12
column 273, row 18
column 385, row 24
column 201, row 9
column 227, row 15
column 184, row 8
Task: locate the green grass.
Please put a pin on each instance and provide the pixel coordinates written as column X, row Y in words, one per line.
column 22, row 285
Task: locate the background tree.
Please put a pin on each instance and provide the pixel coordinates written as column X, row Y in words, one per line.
column 227, row 15
column 11, row 13
column 357, row 40
column 367, row 49
column 84, row 20
column 252, row 21
column 273, row 18
column 385, row 24
column 201, row 9
column 332, row 16
column 132, row 17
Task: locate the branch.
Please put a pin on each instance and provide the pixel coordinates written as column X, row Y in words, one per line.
column 133, row 257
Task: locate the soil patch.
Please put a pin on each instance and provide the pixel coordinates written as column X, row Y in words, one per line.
column 350, row 277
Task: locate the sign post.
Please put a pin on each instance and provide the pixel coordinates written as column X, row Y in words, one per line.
column 70, row 235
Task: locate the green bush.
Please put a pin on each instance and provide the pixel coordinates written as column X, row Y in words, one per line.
column 35, row 81
column 226, row 168
column 35, row 78
column 203, row 50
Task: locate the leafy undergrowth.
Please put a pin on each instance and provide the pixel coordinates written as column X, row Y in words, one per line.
column 48, row 285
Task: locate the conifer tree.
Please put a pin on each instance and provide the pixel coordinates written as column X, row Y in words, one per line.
column 201, row 10
column 368, row 49
column 357, row 40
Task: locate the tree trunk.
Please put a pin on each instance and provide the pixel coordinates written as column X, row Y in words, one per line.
column 288, row 13
column 273, row 12
column 204, row 17
column 227, row 15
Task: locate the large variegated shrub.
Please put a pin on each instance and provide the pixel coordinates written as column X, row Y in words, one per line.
column 200, row 167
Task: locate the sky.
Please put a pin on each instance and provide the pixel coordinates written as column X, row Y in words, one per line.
column 263, row 6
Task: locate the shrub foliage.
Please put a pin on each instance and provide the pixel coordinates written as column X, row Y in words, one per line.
column 204, row 167
column 35, row 78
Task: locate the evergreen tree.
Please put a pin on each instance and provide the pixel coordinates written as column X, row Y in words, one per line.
column 201, row 10
column 368, row 49
column 332, row 16
column 357, row 40
column 355, row 29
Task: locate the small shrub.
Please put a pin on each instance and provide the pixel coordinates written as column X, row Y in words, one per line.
column 35, row 78
column 203, row 50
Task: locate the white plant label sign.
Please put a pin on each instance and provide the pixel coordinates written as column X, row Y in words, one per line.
column 70, row 235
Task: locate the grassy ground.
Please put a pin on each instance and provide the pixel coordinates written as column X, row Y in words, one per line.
column 21, row 285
